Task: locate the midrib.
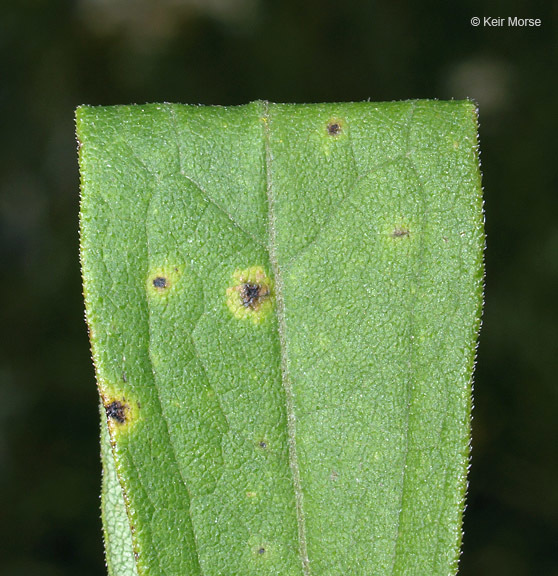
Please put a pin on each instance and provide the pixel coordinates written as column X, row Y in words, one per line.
column 287, row 386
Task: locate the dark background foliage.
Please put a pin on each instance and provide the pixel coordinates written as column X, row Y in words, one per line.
column 57, row 54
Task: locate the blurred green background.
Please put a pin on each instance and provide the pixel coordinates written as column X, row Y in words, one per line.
column 55, row 55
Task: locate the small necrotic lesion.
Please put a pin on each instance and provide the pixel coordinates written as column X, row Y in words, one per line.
column 162, row 280
column 117, row 411
column 251, row 294
column 121, row 410
column 159, row 282
column 335, row 127
column 400, row 232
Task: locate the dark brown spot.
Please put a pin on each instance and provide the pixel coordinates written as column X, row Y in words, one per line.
column 252, row 295
column 160, row 282
column 334, row 128
column 399, row 232
column 116, row 410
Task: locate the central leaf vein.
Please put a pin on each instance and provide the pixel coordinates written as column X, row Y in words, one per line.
column 287, row 385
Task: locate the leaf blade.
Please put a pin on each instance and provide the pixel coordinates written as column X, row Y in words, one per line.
column 300, row 381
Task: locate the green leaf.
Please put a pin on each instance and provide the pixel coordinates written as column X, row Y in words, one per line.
column 283, row 303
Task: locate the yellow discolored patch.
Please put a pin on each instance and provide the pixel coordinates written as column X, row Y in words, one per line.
column 162, row 279
column 333, row 133
column 262, row 551
column 121, row 411
column 335, row 127
column 250, row 295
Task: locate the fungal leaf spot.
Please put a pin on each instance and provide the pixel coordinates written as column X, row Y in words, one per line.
column 259, row 550
column 262, row 550
column 253, row 294
column 335, row 127
column 117, row 410
column 162, row 279
column 160, row 282
column 120, row 411
column 250, row 295
column 400, row 232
